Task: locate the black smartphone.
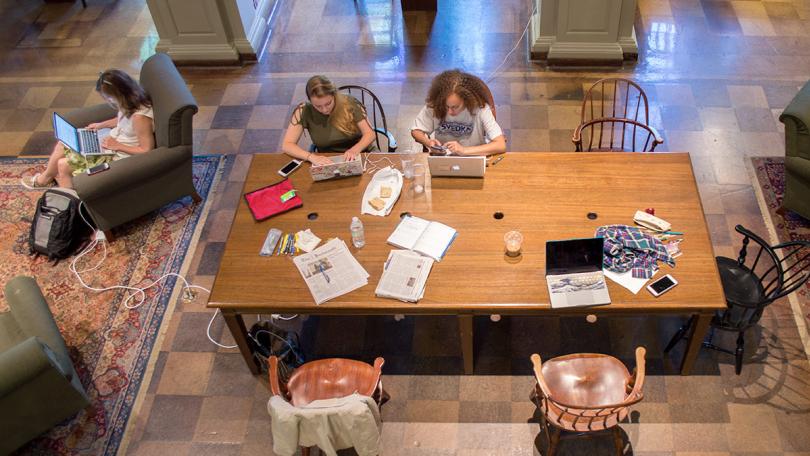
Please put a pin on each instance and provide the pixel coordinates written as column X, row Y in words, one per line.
column 98, row 168
column 290, row 167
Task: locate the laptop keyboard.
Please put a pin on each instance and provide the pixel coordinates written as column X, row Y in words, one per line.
column 577, row 282
column 89, row 141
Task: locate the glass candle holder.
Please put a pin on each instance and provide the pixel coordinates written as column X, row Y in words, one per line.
column 513, row 241
column 407, row 168
column 418, row 178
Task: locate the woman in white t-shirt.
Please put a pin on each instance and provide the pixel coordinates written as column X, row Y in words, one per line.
column 458, row 117
column 132, row 132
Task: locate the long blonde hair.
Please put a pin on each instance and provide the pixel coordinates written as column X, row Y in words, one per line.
column 341, row 117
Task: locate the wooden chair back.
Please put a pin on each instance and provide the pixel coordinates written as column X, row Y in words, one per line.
column 587, row 392
column 374, row 113
column 326, row 379
column 617, row 98
column 615, row 135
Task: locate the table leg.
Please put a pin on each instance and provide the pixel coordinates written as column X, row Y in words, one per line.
column 465, row 330
column 695, row 341
column 239, row 332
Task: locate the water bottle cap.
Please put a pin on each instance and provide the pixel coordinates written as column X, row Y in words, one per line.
column 355, row 219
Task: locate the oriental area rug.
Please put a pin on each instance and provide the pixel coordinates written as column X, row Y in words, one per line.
column 769, row 185
column 110, row 344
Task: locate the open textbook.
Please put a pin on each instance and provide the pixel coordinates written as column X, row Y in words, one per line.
column 331, row 271
column 404, row 276
column 422, row 236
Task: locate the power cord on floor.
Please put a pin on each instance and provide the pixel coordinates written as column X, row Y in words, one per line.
column 525, row 29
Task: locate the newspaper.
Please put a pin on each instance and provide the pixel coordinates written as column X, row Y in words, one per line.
column 331, row 271
column 404, row 276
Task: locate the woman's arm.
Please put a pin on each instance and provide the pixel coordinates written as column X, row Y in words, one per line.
column 111, row 123
column 496, row 146
column 144, row 130
column 422, row 138
column 369, row 135
column 289, row 145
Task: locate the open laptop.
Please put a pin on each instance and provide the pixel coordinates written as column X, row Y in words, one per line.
column 454, row 166
column 574, row 273
column 338, row 168
column 82, row 140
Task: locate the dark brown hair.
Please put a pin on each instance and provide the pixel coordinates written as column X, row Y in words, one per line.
column 126, row 91
column 470, row 88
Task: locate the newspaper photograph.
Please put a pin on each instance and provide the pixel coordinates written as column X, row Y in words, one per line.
column 331, row 271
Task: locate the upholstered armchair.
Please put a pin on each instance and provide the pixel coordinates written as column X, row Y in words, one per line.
column 142, row 183
column 796, row 118
column 38, row 385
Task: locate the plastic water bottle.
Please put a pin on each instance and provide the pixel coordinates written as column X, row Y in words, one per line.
column 358, row 235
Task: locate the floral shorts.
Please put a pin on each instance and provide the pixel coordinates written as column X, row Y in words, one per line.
column 80, row 164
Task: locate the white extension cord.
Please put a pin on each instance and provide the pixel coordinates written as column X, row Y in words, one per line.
column 525, row 29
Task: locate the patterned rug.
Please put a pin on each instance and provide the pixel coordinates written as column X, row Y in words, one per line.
column 110, row 345
column 769, row 183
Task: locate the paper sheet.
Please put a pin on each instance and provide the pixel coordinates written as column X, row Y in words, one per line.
column 627, row 280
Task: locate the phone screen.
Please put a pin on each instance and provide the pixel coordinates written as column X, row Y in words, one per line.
column 662, row 284
column 289, row 167
column 98, row 168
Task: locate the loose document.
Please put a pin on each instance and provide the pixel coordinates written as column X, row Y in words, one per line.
column 331, row 271
column 422, row 236
column 404, row 276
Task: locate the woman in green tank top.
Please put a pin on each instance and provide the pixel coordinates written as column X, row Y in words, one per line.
column 335, row 122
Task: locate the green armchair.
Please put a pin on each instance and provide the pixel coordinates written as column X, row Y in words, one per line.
column 39, row 387
column 796, row 118
column 142, row 183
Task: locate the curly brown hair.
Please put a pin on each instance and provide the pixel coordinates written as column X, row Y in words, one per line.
column 470, row 88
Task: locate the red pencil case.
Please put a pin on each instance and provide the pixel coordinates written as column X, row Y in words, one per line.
column 266, row 201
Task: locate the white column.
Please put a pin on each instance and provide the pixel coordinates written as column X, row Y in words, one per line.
column 211, row 31
column 586, row 31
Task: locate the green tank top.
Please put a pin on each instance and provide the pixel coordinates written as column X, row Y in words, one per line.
column 326, row 137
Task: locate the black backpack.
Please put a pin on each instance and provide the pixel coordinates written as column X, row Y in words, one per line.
column 58, row 229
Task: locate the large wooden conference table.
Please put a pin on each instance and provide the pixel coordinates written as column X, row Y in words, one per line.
column 544, row 195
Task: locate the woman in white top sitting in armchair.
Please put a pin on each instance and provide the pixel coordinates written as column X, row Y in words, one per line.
column 132, row 132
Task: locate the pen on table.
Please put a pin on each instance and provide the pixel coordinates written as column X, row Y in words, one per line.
column 495, row 162
column 672, row 232
column 320, row 266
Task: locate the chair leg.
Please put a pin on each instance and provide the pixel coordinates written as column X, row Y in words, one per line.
column 304, row 451
column 679, row 335
column 738, row 354
column 553, row 441
column 196, row 197
column 108, row 234
column 618, row 441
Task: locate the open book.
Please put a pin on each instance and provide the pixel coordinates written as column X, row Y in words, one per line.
column 422, row 236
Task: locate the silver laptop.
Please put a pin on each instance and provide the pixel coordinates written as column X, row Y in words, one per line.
column 82, row 140
column 453, row 166
column 338, row 168
column 574, row 273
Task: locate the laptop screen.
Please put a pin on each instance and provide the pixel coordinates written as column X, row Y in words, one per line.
column 65, row 132
column 574, row 256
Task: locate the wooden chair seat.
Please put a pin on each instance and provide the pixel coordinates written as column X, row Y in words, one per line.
column 586, row 393
column 327, row 379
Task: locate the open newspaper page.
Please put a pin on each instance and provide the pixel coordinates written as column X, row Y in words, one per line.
column 404, row 276
column 331, row 271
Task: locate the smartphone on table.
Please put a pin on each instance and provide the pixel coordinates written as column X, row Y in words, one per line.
column 439, row 150
column 291, row 166
column 98, row 168
column 662, row 285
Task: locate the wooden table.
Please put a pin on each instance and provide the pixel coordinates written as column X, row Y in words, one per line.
column 546, row 196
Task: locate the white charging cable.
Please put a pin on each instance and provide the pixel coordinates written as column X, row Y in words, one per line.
column 520, row 40
column 372, row 166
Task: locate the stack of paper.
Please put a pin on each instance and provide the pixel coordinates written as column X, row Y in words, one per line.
column 331, row 271
column 422, row 236
column 404, row 276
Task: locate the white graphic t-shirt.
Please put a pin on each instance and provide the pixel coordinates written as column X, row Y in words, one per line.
column 466, row 128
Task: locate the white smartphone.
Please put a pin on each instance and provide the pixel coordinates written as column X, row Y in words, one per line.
column 662, row 285
column 290, row 167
